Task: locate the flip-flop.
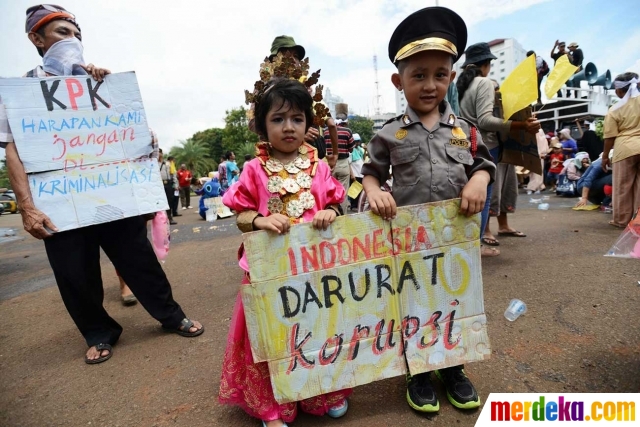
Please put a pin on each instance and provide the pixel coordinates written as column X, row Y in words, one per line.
column 129, row 300
column 490, row 241
column 514, row 233
column 100, row 359
column 184, row 327
column 489, row 252
column 617, row 225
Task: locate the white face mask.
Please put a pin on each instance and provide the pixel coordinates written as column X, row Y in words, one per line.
column 64, row 58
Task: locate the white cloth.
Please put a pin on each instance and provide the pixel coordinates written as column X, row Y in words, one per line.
column 64, row 58
column 631, row 93
column 539, row 62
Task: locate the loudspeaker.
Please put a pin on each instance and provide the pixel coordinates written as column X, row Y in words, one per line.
column 588, row 73
column 604, row 80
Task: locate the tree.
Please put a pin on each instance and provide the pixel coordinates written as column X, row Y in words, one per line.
column 195, row 155
column 236, row 133
column 4, row 175
column 362, row 126
column 212, row 139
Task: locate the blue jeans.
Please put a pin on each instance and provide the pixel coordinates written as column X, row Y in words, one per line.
column 495, row 153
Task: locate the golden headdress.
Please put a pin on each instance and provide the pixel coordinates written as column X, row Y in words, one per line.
column 285, row 66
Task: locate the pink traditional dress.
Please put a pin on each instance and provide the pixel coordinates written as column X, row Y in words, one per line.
column 298, row 190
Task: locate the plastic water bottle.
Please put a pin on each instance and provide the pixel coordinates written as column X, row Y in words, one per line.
column 516, row 309
column 543, row 206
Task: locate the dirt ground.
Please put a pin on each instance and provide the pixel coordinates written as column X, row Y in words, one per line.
column 580, row 333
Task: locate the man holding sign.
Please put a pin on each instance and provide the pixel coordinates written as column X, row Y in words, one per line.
column 74, row 253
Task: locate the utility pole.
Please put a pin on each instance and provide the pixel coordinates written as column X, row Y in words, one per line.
column 375, row 70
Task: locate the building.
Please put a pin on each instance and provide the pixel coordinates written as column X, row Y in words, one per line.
column 380, row 119
column 331, row 100
column 509, row 53
column 401, row 102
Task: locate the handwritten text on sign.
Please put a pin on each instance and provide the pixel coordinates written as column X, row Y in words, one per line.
column 336, row 309
column 85, row 146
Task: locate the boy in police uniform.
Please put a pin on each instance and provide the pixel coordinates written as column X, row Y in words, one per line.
column 429, row 150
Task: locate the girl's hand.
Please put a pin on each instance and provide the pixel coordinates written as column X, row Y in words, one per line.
column 276, row 222
column 474, row 194
column 322, row 219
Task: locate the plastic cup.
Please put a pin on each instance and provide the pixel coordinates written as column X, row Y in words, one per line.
column 543, row 206
column 515, row 309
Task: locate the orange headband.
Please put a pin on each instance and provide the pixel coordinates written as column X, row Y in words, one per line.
column 49, row 18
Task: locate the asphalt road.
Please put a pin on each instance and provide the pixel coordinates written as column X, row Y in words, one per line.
column 580, row 333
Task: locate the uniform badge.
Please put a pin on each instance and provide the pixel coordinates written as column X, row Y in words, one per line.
column 401, row 133
column 452, row 120
column 458, row 133
column 406, row 120
column 462, row 143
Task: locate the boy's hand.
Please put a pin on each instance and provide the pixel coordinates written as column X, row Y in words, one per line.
column 383, row 204
column 276, row 222
column 322, row 219
column 96, row 72
column 332, row 160
column 474, row 194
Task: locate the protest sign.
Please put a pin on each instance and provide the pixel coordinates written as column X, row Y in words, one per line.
column 85, row 146
column 339, row 308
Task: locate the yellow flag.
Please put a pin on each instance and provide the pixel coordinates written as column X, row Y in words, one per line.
column 520, row 87
column 559, row 76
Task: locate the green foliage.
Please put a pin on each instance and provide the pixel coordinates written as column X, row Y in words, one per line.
column 600, row 128
column 4, row 175
column 246, row 148
column 236, row 132
column 362, row 126
column 212, row 139
column 195, row 155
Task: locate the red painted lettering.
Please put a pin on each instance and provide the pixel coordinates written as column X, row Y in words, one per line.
column 297, row 356
column 327, row 263
column 378, row 243
column 308, row 258
column 422, row 240
column 344, row 253
column 359, row 332
column 73, row 94
column 292, row 262
column 364, row 248
column 336, row 343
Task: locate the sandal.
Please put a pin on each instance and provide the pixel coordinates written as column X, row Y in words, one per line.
column 100, row 359
column 514, row 233
column 184, row 327
column 489, row 252
column 490, row 241
column 615, row 224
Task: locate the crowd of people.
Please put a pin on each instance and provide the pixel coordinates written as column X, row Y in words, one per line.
column 446, row 145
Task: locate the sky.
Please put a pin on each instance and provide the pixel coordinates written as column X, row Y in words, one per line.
column 194, row 58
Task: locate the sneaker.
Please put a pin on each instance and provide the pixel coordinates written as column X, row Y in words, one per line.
column 177, row 214
column 172, row 222
column 189, row 207
column 460, row 392
column 338, row 410
column 184, row 209
column 420, row 393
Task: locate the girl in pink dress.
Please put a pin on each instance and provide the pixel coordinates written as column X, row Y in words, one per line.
column 285, row 184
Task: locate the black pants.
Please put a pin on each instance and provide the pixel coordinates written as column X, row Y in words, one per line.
column 169, row 192
column 74, row 256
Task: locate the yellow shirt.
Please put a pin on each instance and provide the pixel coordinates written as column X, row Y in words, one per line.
column 623, row 124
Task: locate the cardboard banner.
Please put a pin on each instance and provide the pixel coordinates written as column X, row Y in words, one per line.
column 520, row 148
column 339, row 308
column 85, row 146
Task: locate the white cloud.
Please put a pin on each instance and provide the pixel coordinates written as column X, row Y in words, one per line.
column 195, row 58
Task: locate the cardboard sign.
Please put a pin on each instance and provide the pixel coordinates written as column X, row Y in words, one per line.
column 344, row 307
column 85, row 146
column 521, row 148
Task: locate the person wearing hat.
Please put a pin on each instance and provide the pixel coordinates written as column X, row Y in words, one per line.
column 429, row 149
column 557, row 55
column 477, row 105
column 284, row 44
column 341, row 171
column 576, row 57
column 355, row 164
column 74, row 255
column 569, row 145
column 556, row 160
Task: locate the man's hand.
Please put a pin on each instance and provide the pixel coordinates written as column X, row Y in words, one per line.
column 382, row 203
column 322, row 219
column 606, row 163
column 332, row 160
column 581, row 202
column 35, row 221
column 96, row 72
column 276, row 222
column 474, row 194
column 311, row 135
column 532, row 125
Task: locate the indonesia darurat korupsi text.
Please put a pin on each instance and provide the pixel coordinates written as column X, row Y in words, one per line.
column 86, row 146
column 362, row 296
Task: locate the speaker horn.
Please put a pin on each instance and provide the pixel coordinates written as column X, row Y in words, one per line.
column 588, row 73
column 603, row 80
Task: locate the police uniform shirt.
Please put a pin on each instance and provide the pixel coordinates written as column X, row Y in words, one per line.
column 427, row 166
